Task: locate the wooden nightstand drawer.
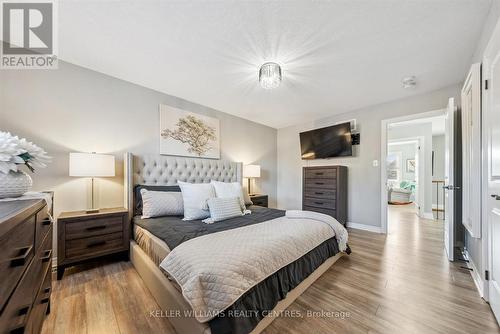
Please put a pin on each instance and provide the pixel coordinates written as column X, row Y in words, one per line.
column 94, row 246
column 88, row 228
column 260, row 200
column 83, row 236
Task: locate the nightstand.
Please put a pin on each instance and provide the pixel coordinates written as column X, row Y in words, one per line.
column 260, row 200
column 83, row 236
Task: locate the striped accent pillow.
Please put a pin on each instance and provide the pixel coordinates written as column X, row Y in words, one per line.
column 223, row 208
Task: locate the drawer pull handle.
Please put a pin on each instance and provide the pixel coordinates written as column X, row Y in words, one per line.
column 319, row 173
column 46, row 257
column 23, row 310
column 45, row 300
column 319, row 183
column 18, row 330
column 95, row 244
column 21, row 259
column 95, row 228
column 319, row 203
column 317, row 193
column 46, row 222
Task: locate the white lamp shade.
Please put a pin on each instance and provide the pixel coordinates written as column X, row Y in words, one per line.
column 91, row 165
column 251, row 171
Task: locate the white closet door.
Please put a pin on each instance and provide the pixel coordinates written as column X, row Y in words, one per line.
column 471, row 152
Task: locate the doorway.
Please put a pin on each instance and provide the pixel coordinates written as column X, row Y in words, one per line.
column 403, row 175
column 416, row 169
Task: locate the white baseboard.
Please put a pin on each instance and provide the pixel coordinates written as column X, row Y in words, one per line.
column 476, row 275
column 370, row 228
column 427, row 215
column 54, row 263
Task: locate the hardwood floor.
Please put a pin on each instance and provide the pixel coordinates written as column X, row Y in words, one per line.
column 399, row 283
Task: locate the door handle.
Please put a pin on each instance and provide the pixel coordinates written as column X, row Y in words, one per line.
column 450, row 187
column 496, row 197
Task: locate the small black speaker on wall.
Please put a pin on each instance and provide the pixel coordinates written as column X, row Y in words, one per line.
column 355, row 138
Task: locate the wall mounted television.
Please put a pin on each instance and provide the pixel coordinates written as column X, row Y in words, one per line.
column 329, row 142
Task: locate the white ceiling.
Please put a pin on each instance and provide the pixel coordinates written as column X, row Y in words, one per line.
column 336, row 56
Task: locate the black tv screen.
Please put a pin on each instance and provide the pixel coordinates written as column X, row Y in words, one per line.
column 329, row 142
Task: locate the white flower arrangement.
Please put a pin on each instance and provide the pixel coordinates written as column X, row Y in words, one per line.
column 15, row 152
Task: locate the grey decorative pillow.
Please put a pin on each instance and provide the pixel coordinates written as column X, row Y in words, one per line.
column 223, row 208
column 161, row 203
column 195, row 197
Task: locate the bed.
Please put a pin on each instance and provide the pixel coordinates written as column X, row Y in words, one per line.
column 156, row 241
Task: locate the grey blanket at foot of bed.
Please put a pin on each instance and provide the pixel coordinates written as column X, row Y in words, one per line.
column 253, row 306
column 174, row 231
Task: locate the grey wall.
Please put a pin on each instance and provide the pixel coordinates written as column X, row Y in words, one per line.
column 364, row 179
column 474, row 245
column 74, row 109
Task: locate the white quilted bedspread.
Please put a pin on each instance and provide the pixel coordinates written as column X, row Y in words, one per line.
column 216, row 269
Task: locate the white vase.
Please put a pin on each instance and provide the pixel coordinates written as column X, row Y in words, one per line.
column 14, row 184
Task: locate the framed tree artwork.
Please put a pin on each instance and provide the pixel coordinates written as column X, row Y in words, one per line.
column 188, row 134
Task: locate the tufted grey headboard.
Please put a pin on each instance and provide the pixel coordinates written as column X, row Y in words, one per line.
column 161, row 170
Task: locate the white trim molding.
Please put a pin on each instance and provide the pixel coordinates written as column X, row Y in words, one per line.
column 476, row 275
column 369, row 228
column 428, row 215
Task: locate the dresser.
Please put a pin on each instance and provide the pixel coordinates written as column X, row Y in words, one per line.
column 25, row 265
column 324, row 190
column 83, row 236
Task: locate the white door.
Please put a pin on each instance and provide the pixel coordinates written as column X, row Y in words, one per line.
column 449, row 179
column 491, row 128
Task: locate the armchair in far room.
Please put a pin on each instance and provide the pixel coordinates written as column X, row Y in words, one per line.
column 402, row 194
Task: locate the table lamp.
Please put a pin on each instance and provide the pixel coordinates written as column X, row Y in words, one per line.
column 251, row 172
column 91, row 165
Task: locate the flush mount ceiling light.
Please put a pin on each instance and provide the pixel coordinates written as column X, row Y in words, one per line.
column 270, row 75
column 409, row 82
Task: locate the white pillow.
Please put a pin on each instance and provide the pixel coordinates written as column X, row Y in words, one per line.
column 229, row 190
column 246, row 197
column 161, row 203
column 195, row 196
column 223, row 208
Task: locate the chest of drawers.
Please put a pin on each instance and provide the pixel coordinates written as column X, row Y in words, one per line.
column 324, row 190
column 25, row 265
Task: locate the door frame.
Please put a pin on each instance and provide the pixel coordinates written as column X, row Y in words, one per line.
column 486, row 161
column 383, row 154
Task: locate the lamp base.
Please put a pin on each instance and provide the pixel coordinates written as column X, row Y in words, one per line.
column 92, row 211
